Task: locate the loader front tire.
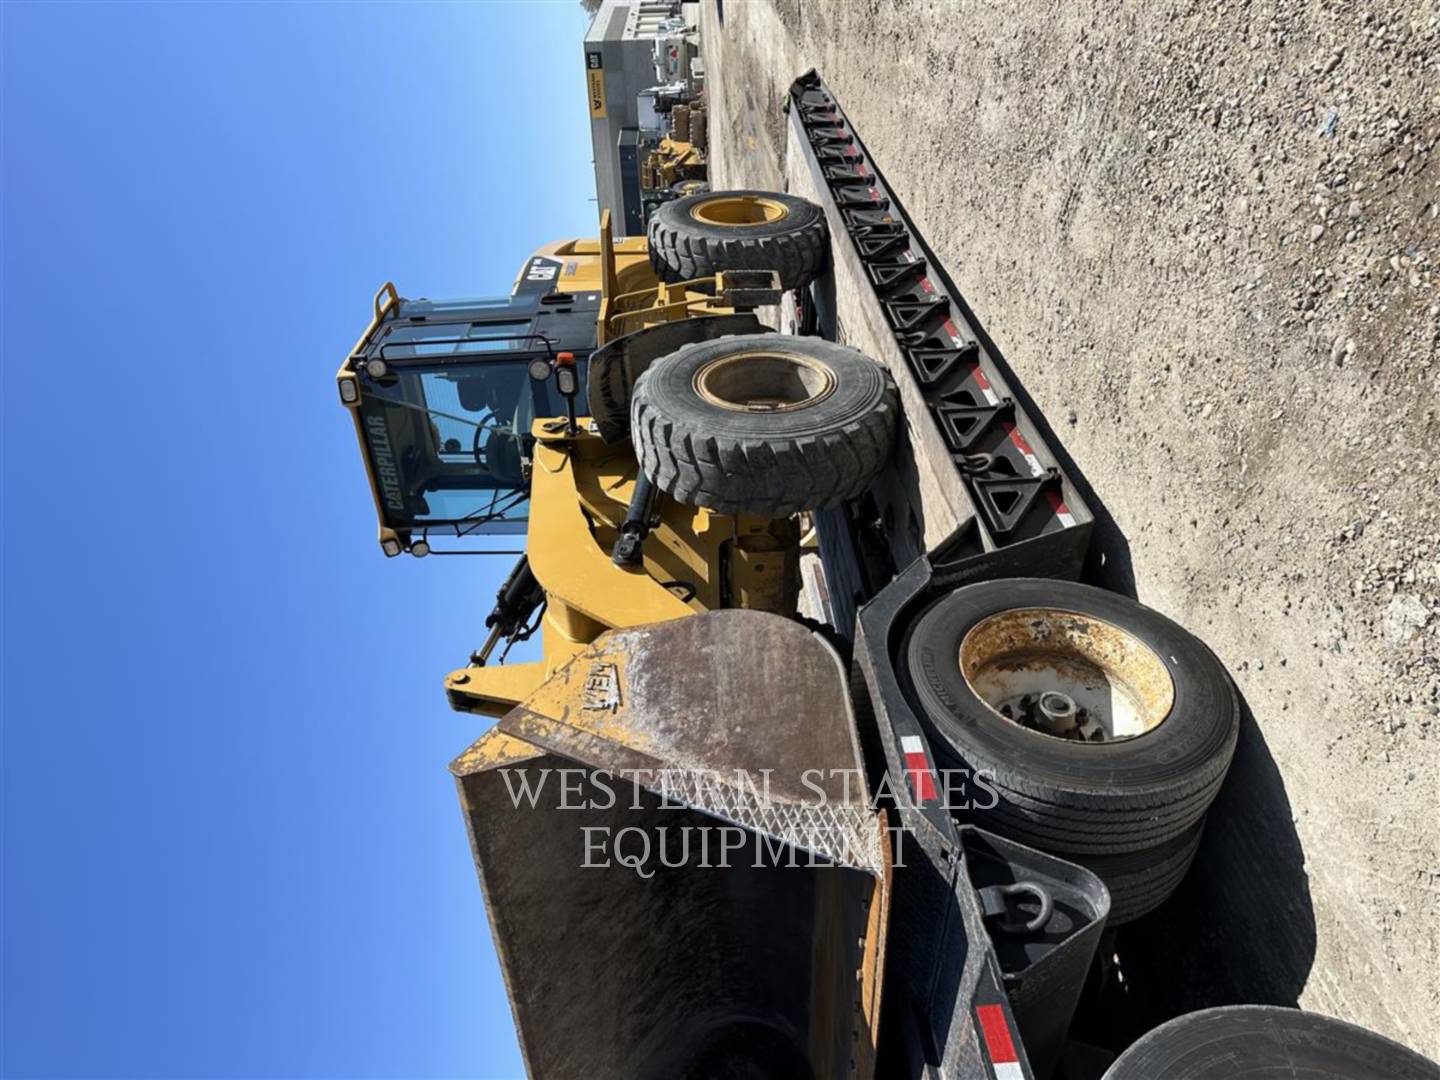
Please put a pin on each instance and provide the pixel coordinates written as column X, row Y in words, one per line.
column 701, row 235
column 765, row 424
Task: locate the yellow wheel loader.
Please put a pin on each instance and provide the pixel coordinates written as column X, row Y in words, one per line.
column 627, row 411
column 717, row 839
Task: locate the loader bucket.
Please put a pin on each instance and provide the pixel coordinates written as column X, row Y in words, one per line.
column 682, row 873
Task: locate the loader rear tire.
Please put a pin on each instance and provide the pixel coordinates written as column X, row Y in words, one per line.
column 1266, row 1042
column 702, row 235
column 765, row 424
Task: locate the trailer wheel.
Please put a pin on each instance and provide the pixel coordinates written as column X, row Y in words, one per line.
column 767, row 424
column 1103, row 727
column 701, row 235
column 1266, row 1042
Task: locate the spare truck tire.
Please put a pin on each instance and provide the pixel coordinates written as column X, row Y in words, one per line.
column 1103, row 727
column 1266, row 1042
column 767, row 424
column 701, row 235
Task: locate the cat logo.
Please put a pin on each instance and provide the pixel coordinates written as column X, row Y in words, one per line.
column 595, row 84
column 602, row 687
column 538, row 277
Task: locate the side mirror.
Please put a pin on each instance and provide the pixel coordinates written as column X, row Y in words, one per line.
column 568, row 383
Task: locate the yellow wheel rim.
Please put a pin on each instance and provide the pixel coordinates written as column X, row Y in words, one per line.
column 764, row 382
column 735, row 211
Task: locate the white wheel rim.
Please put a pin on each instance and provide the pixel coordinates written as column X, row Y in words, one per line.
column 1061, row 674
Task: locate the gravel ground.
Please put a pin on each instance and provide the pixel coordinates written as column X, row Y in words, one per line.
column 1206, row 238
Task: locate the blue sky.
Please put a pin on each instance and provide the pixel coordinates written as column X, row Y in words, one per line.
column 231, row 847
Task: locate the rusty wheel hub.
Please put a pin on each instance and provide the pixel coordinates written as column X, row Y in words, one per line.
column 1067, row 675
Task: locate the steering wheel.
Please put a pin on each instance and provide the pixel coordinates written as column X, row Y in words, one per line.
column 490, row 423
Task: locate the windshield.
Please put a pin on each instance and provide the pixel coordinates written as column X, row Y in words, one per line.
column 448, row 444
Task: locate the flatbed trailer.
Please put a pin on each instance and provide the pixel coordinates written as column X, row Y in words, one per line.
column 992, row 943
column 975, row 492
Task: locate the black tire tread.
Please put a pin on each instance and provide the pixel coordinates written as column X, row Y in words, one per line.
column 772, row 477
column 681, row 250
column 1266, row 1042
column 1094, row 830
column 1139, row 882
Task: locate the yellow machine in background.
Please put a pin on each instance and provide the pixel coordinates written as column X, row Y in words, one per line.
column 673, row 165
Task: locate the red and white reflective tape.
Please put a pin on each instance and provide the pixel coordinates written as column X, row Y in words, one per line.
column 1062, row 512
column 1036, row 469
column 984, row 385
column 1004, row 1059
column 913, row 751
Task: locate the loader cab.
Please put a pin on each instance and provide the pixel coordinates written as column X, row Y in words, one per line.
column 444, row 405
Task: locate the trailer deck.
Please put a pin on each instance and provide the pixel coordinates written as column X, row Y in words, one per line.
column 974, row 492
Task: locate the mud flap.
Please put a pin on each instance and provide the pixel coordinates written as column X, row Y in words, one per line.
column 680, row 865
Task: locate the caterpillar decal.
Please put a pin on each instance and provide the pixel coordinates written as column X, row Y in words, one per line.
column 595, row 85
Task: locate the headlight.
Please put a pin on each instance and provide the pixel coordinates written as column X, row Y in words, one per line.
column 376, row 368
column 419, row 549
column 391, row 548
column 539, row 369
column 566, row 382
column 349, row 391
